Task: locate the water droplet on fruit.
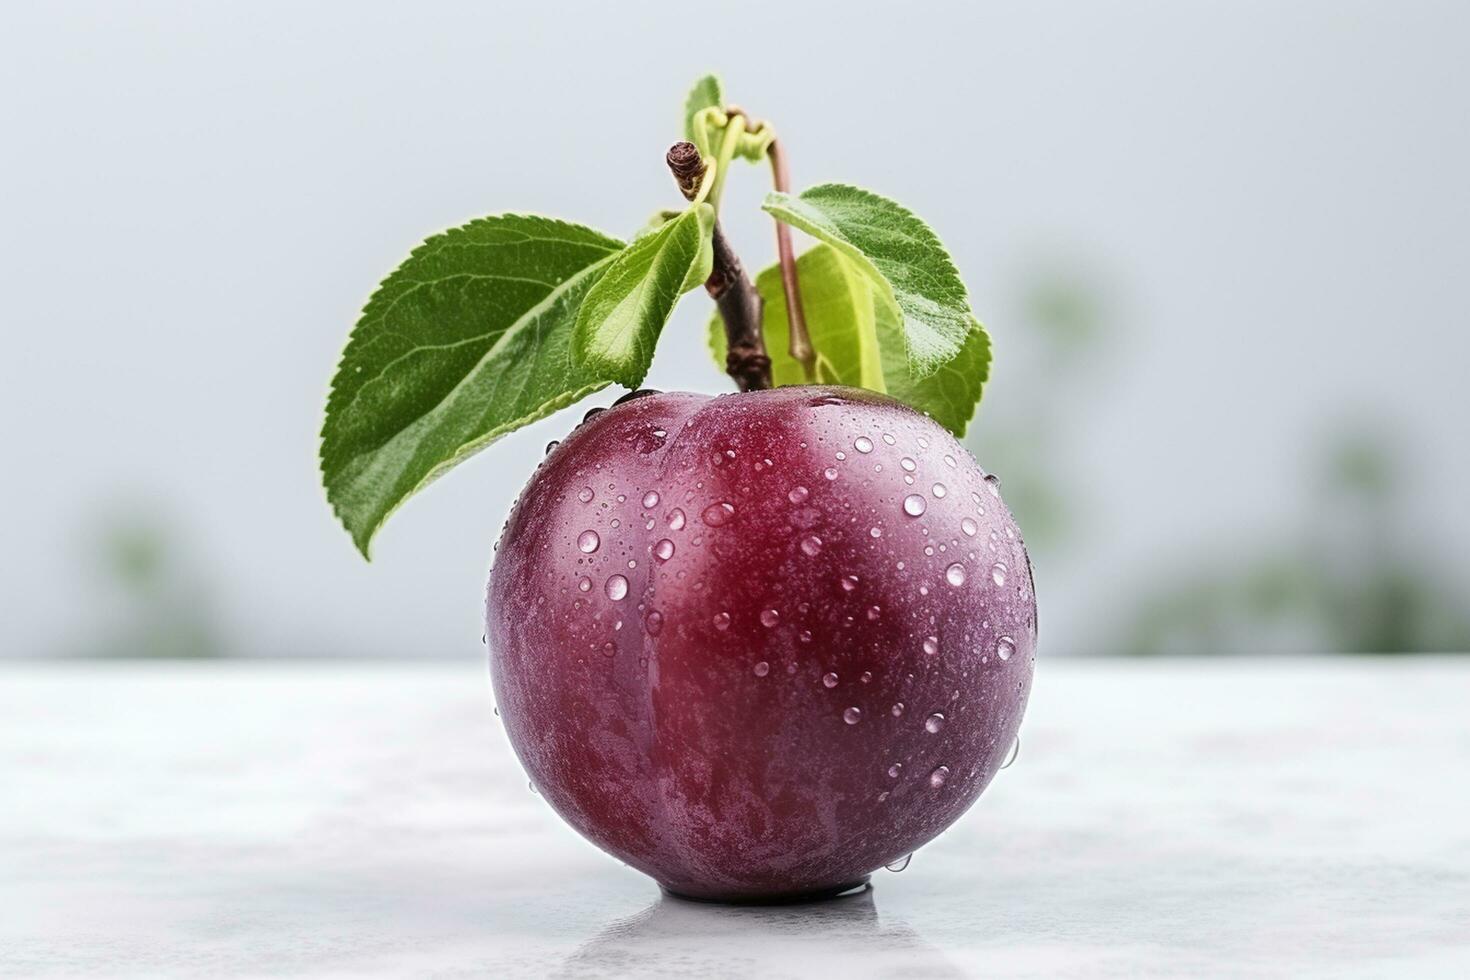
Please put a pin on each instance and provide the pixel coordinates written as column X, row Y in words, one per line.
column 849, row 582
column 938, row 776
column 532, row 787
column 1004, row 647
column 588, row 541
column 888, row 438
column 798, row 495
column 897, row 709
column 676, row 520
column 811, row 546
column 585, row 495
column 894, row 770
column 993, row 481
column 874, row 612
column 829, row 679
column 998, row 573
column 762, row 669
column 883, row 796
column 948, row 459
column 609, row 649
column 804, row 636
column 900, row 864
column 647, row 441
column 551, row 445
column 931, row 645
column 969, row 526
column 852, row 715
column 722, row 621
column 939, row 490
column 934, row 724
column 913, row 505
column 770, row 617
column 654, row 622
column 718, row 515
column 876, row 532
column 616, row 587
column 1015, row 751
column 664, row 550
column 840, row 455
column 867, row 675
column 863, row 444
column 830, row 472
column 650, row 500
column 584, row 584
column 955, row 574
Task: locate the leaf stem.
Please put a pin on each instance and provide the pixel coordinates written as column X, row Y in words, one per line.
column 800, row 343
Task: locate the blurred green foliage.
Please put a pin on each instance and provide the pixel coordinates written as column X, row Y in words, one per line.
column 1348, row 577
column 1351, row 580
column 1064, row 323
column 150, row 597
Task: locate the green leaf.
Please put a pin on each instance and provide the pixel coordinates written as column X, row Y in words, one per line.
column 952, row 390
column 624, row 313
column 467, row 340
column 900, row 255
column 704, row 94
column 858, row 335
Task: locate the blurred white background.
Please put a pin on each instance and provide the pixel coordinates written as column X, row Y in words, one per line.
column 1222, row 251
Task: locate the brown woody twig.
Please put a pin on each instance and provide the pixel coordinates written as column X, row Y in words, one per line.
column 735, row 296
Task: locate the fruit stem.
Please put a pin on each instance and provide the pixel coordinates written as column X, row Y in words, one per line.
column 800, row 343
column 735, row 296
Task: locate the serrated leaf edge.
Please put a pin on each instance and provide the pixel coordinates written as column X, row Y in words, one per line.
column 777, row 204
column 695, row 90
column 363, row 541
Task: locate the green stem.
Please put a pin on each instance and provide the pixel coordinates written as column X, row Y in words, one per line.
column 701, row 130
column 733, row 131
column 706, row 183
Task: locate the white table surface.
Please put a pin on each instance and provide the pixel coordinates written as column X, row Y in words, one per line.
column 1240, row 817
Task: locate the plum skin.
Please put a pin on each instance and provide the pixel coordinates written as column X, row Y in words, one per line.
column 730, row 653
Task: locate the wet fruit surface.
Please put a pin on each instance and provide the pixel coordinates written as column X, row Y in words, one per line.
column 763, row 644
